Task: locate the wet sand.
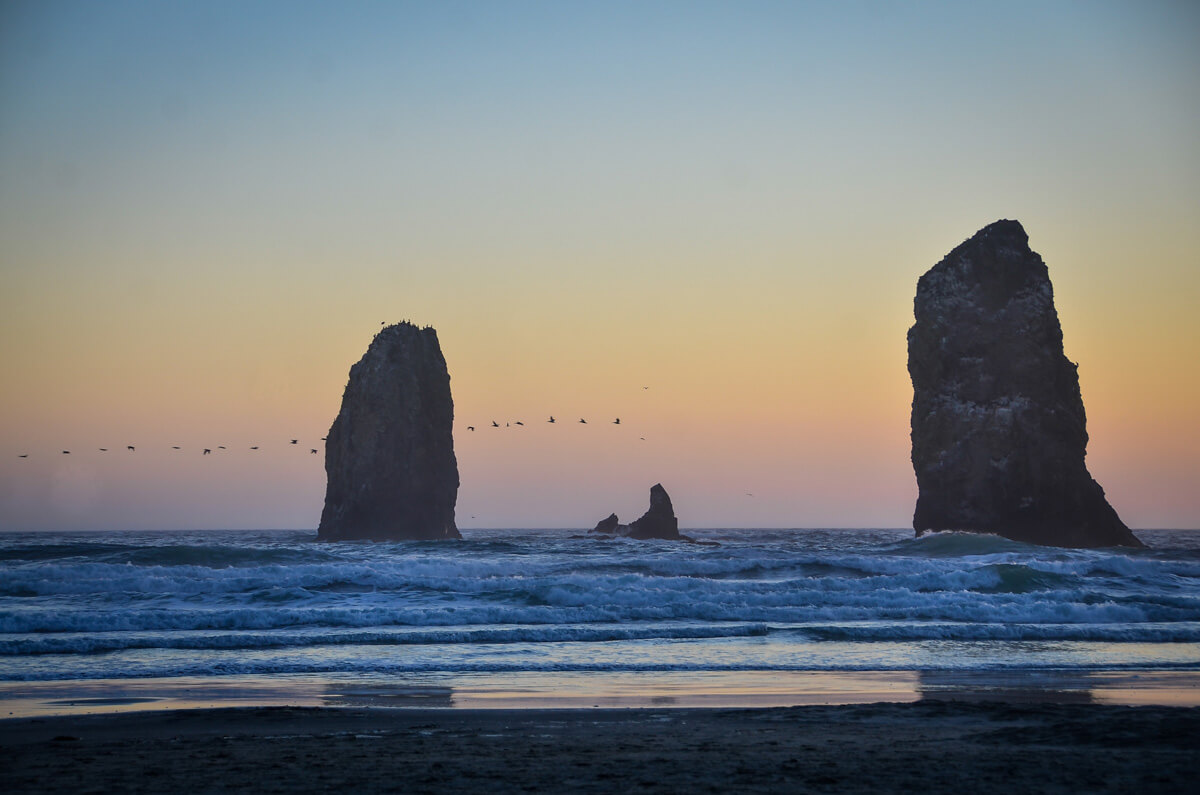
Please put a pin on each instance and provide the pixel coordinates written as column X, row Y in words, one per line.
column 929, row 746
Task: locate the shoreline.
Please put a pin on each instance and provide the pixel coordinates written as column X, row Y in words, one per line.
column 609, row 690
column 936, row 746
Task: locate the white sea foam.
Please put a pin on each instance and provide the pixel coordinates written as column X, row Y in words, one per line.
column 277, row 602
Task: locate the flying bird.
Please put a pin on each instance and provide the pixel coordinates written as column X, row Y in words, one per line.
column 495, row 424
column 66, row 452
column 174, row 447
column 129, row 447
column 220, row 447
column 23, row 455
column 617, row 421
column 581, row 419
column 207, row 451
column 104, row 449
column 254, row 448
column 312, row 451
column 295, row 440
column 520, row 423
column 551, row 418
column 470, row 427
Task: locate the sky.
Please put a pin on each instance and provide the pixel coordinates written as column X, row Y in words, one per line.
column 705, row 218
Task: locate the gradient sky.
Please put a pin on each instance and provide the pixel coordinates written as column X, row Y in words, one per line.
column 207, row 209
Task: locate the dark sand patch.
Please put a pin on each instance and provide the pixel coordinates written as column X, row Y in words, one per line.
column 929, row 746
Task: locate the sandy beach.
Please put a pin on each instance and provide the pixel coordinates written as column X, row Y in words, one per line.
column 931, row 746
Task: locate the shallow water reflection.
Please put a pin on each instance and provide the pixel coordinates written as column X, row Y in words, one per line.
column 1023, row 687
column 574, row 690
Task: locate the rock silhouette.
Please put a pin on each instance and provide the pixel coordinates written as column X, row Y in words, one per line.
column 658, row 522
column 998, row 426
column 389, row 458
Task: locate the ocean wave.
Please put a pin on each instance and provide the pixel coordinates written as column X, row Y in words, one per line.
column 231, row 666
column 1186, row 632
column 567, row 604
column 83, row 643
column 954, row 544
column 467, row 576
column 274, row 599
column 17, row 645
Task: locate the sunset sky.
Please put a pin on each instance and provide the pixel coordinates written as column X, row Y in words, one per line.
column 208, row 208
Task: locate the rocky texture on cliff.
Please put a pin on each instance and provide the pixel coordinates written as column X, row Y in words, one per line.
column 389, row 457
column 998, row 427
column 658, row 522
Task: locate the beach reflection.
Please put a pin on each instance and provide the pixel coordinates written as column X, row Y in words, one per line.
column 575, row 690
column 339, row 694
column 1022, row 687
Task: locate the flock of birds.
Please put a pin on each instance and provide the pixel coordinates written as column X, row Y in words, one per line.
column 551, row 421
column 205, row 450
column 314, row 451
column 495, row 424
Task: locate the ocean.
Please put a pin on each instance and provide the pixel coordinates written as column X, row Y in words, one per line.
column 507, row 617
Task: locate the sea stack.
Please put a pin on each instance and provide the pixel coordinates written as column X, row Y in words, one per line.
column 658, row 522
column 998, row 427
column 389, row 457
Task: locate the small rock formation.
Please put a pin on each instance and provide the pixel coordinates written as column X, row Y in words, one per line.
column 658, row 522
column 389, row 456
column 610, row 526
column 998, row 427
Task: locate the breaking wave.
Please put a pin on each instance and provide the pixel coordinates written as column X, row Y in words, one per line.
column 259, row 599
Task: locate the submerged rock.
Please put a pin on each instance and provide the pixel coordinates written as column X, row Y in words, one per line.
column 998, row 427
column 658, row 522
column 389, row 457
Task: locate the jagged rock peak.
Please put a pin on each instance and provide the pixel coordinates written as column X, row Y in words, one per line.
column 389, row 456
column 998, row 426
column 658, row 522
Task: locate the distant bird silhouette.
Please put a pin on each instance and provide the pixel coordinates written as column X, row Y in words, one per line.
column 324, row 438
column 174, row 447
column 645, row 387
column 104, row 449
column 129, row 447
column 66, row 452
column 220, row 447
column 520, row 423
column 312, row 451
column 470, row 427
column 581, row 419
column 254, row 448
column 23, row 455
column 495, row 424
column 551, row 418
column 617, row 421
column 295, row 440
column 207, row 451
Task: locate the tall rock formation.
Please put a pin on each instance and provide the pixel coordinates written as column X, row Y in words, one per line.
column 389, row 457
column 998, row 427
column 658, row 522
